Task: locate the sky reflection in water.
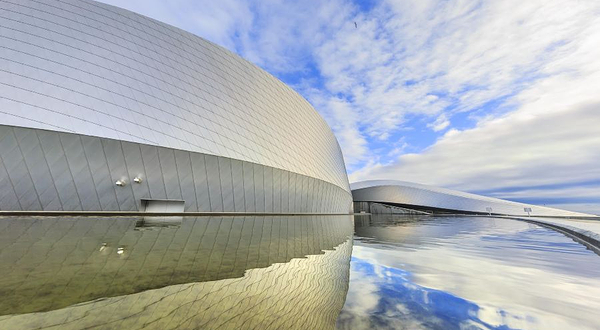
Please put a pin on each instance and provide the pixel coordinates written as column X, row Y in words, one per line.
column 468, row 273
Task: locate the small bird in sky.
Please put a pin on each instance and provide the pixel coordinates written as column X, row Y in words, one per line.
column 355, row 25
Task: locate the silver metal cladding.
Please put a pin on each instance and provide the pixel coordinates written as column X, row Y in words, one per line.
column 153, row 96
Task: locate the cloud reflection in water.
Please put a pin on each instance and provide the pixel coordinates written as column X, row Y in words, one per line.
column 478, row 274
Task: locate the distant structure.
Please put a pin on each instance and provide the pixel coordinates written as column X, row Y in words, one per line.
column 370, row 195
column 105, row 109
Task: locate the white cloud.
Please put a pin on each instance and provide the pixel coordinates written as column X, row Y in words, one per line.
column 409, row 57
column 520, row 149
column 545, row 56
column 440, row 123
column 342, row 118
column 553, row 138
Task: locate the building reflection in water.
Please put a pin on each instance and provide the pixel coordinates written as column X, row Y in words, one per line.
column 205, row 272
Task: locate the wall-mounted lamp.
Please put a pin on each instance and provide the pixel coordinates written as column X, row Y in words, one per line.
column 137, row 179
column 120, row 183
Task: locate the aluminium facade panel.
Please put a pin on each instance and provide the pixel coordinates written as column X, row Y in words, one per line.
column 80, row 172
column 136, row 98
column 89, row 68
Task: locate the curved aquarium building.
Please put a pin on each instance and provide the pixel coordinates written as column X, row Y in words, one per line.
column 389, row 196
column 105, row 109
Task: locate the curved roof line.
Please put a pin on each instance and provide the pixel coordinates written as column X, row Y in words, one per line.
column 453, row 193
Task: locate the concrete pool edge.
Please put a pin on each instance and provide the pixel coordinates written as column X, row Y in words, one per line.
column 590, row 238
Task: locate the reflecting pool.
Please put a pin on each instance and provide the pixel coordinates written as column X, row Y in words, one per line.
column 174, row 273
column 294, row 272
column 468, row 273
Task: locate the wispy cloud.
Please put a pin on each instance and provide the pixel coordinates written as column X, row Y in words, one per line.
column 440, row 123
column 479, row 95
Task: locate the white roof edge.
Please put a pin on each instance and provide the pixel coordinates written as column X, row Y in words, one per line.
column 376, row 183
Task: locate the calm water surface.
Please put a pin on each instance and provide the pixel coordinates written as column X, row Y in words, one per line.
column 468, row 273
column 174, row 273
column 301, row 272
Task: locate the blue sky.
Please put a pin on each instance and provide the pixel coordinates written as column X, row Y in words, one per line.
column 501, row 97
